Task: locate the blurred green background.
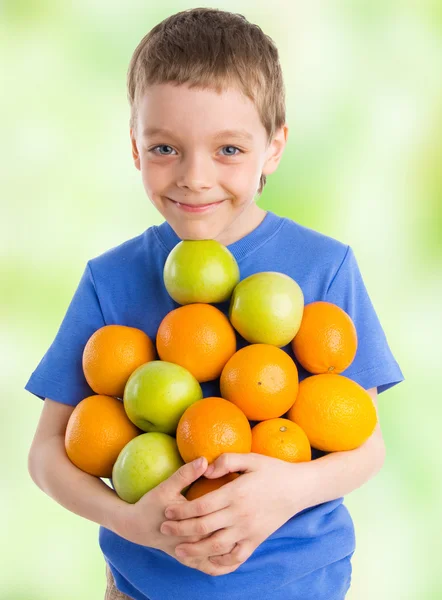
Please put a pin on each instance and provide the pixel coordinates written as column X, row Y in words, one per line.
column 362, row 164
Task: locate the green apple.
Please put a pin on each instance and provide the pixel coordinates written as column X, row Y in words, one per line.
column 200, row 271
column 143, row 463
column 157, row 393
column 267, row 308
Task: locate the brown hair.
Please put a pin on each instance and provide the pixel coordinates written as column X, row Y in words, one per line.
column 211, row 48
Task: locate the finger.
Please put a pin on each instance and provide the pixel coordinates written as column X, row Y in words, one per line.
column 204, row 565
column 223, row 570
column 239, row 554
column 209, row 503
column 199, row 525
column 231, row 462
column 221, row 542
column 184, row 476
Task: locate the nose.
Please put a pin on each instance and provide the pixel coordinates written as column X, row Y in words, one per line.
column 196, row 173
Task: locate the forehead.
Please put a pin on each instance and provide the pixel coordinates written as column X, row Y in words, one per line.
column 196, row 112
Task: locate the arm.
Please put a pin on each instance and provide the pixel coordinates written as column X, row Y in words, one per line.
column 52, row 471
column 238, row 524
column 89, row 497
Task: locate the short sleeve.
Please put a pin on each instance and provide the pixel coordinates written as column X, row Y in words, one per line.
column 374, row 364
column 59, row 375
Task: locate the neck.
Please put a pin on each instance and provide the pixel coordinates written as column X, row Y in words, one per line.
column 244, row 224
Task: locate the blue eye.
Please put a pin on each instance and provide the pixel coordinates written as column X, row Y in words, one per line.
column 168, row 154
column 235, row 148
column 160, row 146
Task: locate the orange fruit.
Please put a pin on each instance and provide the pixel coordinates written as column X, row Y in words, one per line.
column 210, row 427
column 262, row 380
column 199, row 337
column 204, row 486
column 327, row 340
column 97, row 431
column 112, row 354
column 281, row 438
column 335, row 412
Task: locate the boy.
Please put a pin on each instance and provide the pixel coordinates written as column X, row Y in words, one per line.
column 207, row 126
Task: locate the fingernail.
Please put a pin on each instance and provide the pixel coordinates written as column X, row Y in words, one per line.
column 169, row 513
column 199, row 462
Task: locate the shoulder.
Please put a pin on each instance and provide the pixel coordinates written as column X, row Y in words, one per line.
column 314, row 246
column 123, row 255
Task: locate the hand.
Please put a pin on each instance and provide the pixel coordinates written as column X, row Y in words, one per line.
column 243, row 513
column 140, row 522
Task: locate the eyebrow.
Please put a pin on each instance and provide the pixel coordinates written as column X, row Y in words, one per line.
column 232, row 133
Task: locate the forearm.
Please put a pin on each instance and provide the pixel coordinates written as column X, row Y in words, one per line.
column 81, row 493
column 339, row 473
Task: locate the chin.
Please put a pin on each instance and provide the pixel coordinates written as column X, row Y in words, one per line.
column 195, row 230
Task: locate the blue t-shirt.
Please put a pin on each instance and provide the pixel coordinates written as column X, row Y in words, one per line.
column 310, row 555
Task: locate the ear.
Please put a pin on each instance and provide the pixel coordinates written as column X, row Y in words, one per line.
column 275, row 150
column 135, row 153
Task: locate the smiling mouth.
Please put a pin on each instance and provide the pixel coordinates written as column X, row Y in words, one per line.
column 196, row 207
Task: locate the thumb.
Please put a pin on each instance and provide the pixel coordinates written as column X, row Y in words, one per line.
column 231, row 462
column 184, row 476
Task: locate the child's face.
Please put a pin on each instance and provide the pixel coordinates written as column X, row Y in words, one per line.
column 204, row 185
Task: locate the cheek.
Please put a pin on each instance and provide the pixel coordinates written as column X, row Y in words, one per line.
column 154, row 177
column 245, row 184
column 243, row 177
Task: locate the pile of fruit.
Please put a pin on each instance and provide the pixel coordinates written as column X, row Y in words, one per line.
column 148, row 415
